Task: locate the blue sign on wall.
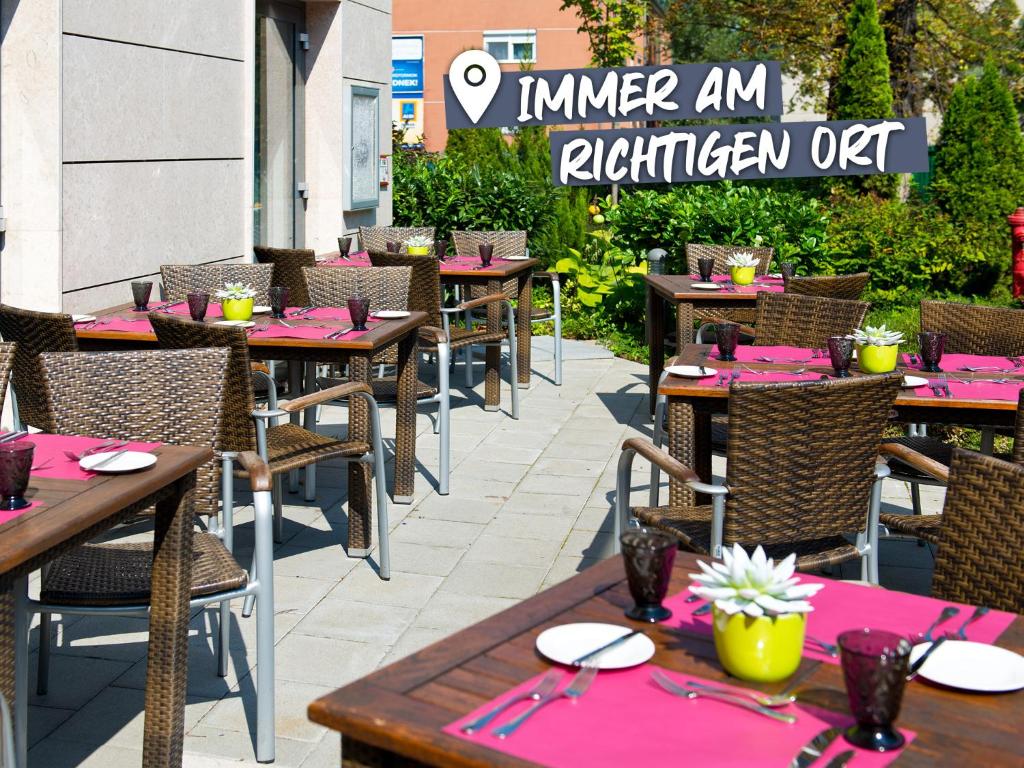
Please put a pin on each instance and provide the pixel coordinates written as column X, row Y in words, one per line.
column 407, row 78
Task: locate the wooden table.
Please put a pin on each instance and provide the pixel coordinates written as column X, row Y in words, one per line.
column 670, row 291
column 74, row 512
column 358, row 352
column 394, row 716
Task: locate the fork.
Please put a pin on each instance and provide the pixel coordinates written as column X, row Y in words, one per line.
column 961, row 634
column 107, row 446
column 574, row 690
column 544, row 687
column 675, row 688
column 829, row 648
column 45, row 465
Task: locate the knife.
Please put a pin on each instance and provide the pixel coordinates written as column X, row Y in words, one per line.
column 813, row 749
column 840, row 760
column 606, row 647
column 113, row 455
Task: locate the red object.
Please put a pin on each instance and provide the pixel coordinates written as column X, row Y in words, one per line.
column 1016, row 220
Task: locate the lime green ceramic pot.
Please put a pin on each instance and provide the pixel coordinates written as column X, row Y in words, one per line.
column 742, row 275
column 763, row 649
column 876, row 359
column 237, row 309
column 419, row 250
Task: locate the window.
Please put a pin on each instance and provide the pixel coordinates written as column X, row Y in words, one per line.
column 363, row 158
column 512, row 46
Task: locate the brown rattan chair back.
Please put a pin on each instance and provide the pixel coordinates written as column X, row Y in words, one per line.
column 801, row 457
column 805, row 321
column 376, row 238
column 6, row 362
column 179, row 280
column 982, row 534
column 34, row 333
column 424, row 281
column 152, row 396
column 830, row 286
column 1018, row 431
column 506, row 242
column 237, row 431
column 977, row 330
column 386, row 287
column 721, row 254
column 288, row 265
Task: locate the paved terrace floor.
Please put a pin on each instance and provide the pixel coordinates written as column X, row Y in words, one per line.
column 530, row 505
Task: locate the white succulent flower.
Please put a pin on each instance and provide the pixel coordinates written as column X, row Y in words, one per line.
column 879, row 336
column 753, row 585
column 419, row 241
column 741, row 259
column 236, row 291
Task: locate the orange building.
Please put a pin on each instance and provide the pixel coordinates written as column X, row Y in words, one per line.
column 536, row 32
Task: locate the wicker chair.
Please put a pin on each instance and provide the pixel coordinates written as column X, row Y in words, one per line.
column 34, row 333
column 179, row 280
column 288, row 265
column 172, row 397
column 283, row 446
column 7, row 352
column 775, row 494
column 830, row 286
column 377, row 238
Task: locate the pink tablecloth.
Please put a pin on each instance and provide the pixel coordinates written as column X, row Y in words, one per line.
column 6, row 515
column 977, row 390
column 302, row 332
column 127, row 325
column 957, row 362
column 625, row 719
column 761, row 283
column 749, row 353
column 747, row 376
column 49, row 454
column 841, row 606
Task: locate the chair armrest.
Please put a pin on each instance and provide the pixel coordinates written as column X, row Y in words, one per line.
column 260, row 478
column 672, row 467
column 325, row 395
column 433, row 334
column 484, row 300
column 918, row 461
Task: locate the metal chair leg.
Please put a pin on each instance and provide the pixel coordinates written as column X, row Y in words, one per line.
column 278, row 511
column 444, row 421
column 381, row 488
column 657, row 436
column 556, row 295
column 45, row 639
column 264, row 550
column 223, row 638
column 468, row 356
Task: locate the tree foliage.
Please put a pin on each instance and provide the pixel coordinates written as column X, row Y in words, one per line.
column 612, row 27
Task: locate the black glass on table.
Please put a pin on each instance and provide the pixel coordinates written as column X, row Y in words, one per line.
column 141, row 291
column 279, row 295
column 875, row 665
column 648, row 556
column 197, row 304
column 15, row 468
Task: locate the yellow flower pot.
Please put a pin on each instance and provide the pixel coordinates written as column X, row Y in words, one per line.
column 763, row 649
column 742, row 275
column 237, row 309
column 875, row 359
column 419, row 250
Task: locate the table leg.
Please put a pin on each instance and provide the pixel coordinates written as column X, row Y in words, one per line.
column 655, row 343
column 360, row 536
column 167, row 661
column 405, row 418
column 524, row 326
column 492, row 377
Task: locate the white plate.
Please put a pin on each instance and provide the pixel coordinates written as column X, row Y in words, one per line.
column 390, row 314
column 566, row 643
column 972, row 666
column 706, row 286
column 517, row 258
column 237, row 323
column 128, row 461
column 82, row 319
column 774, row 275
column 690, row 371
column 914, row 381
column 259, row 309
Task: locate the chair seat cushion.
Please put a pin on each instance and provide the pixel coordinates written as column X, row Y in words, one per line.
column 927, row 527
column 289, row 447
column 119, row 573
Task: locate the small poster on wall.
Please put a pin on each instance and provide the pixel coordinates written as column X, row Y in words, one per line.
column 364, row 166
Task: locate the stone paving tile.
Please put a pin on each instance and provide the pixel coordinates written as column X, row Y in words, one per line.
column 516, row 525
column 458, row 508
column 324, row 661
column 356, row 621
column 443, row 533
column 451, row 611
column 422, row 558
column 238, row 713
column 404, row 590
column 57, row 753
column 208, row 747
column 502, row 549
column 471, row 577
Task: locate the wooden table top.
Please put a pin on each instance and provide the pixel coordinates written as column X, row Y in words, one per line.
column 499, row 269
column 696, row 354
column 403, row 707
column 73, row 506
column 380, row 334
column 678, row 288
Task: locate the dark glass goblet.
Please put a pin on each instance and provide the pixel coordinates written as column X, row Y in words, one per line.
column 141, row 291
column 441, row 249
column 15, row 467
column 486, row 252
column 197, row 304
column 648, row 556
column 728, row 336
column 278, row 300
column 344, row 245
column 932, row 346
column 840, row 350
column 358, row 310
column 392, row 246
column 787, row 269
column 875, row 666
column 705, row 267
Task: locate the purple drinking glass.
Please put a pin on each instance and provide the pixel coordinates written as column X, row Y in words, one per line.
column 706, row 267
column 875, row 664
column 141, row 291
column 787, row 269
column 344, row 245
column 15, row 468
column 392, row 246
column 932, row 345
column 648, row 556
column 840, row 351
column 358, row 310
column 197, row 304
column 278, row 300
column 486, row 252
column 441, row 249
column 728, row 336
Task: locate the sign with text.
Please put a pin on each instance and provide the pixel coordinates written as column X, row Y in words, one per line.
column 407, row 66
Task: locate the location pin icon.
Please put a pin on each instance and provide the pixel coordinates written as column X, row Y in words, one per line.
column 474, row 76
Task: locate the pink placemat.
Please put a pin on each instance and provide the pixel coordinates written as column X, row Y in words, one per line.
column 302, row 332
column 469, row 262
column 357, row 259
column 141, row 325
column 772, row 285
column 212, row 309
column 747, row 376
column 749, row 353
column 956, row 361
column 625, row 719
column 841, row 606
column 977, row 390
column 6, row 515
column 49, row 454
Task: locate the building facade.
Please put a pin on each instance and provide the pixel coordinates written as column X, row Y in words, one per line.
column 135, row 133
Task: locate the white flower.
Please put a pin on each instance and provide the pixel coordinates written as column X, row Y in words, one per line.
column 419, row 241
column 236, row 291
column 876, row 337
column 753, row 585
column 741, row 259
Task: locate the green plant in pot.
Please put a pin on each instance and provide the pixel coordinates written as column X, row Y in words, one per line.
column 236, row 301
column 759, row 613
column 877, row 348
column 419, row 245
column 742, row 267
